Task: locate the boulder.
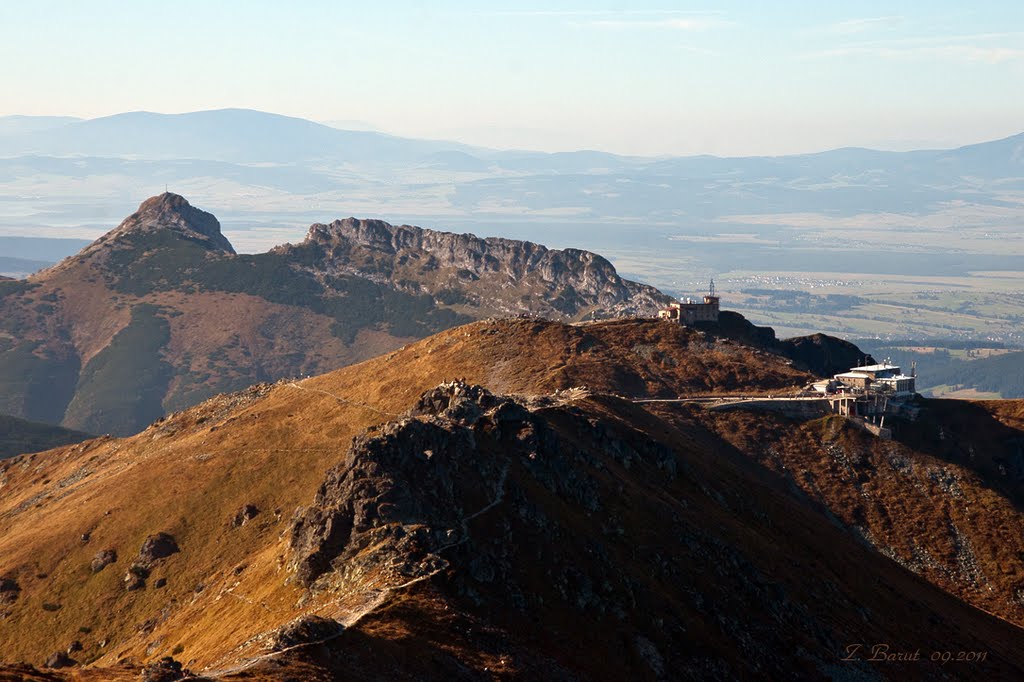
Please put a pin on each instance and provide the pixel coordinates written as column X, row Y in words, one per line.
column 135, row 578
column 157, row 546
column 103, row 558
column 165, row 670
column 244, row 515
column 9, row 590
column 59, row 659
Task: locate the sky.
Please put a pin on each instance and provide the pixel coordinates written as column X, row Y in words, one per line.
column 658, row 78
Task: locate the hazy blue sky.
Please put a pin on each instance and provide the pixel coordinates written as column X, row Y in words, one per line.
column 658, row 78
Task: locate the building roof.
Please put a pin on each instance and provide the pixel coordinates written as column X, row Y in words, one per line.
column 876, row 368
column 854, row 375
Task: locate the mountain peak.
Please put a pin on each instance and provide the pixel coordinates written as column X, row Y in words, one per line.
column 164, row 201
column 172, row 211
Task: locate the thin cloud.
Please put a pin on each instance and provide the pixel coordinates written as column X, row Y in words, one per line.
column 698, row 50
column 679, row 24
column 970, row 53
column 970, row 48
column 597, row 13
column 679, row 20
column 851, row 26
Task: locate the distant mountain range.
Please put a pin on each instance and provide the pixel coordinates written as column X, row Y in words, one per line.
column 276, row 174
column 229, row 135
column 247, row 136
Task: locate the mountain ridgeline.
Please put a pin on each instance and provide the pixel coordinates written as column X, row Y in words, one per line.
column 161, row 313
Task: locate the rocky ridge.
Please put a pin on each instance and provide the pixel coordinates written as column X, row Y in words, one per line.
column 163, row 213
column 571, row 281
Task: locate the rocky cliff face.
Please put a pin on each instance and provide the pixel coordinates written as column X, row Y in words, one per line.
column 504, row 275
column 172, row 212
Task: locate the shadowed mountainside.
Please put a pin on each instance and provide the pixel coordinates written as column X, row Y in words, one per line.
column 18, row 436
column 944, row 498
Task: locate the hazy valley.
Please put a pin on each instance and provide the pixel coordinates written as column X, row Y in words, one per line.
column 917, row 245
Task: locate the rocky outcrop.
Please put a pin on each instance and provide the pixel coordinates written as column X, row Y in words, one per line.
column 306, row 630
column 369, row 500
column 165, row 670
column 560, row 283
column 244, row 515
column 155, row 547
column 167, row 212
column 821, row 354
column 824, row 355
column 732, row 325
column 59, row 659
column 410, row 493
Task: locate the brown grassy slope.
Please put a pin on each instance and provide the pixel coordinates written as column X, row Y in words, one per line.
column 944, row 498
column 218, row 341
column 718, row 572
column 191, row 473
column 635, row 358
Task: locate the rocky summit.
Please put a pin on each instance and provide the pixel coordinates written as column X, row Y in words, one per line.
column 508, row 499
column 166, row 212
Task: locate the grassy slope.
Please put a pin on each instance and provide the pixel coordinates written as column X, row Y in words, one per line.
column 189, row 474
column 273, row 455
column 124, row 384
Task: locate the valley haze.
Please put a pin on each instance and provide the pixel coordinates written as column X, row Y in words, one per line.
column 907, row 241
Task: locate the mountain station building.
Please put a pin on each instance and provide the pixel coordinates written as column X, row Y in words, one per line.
column 688, row 311
column 884, row 378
